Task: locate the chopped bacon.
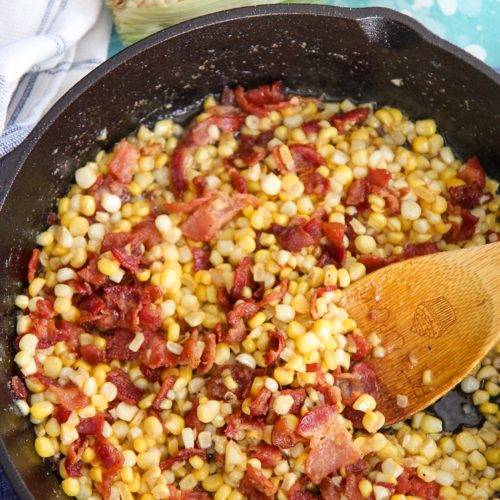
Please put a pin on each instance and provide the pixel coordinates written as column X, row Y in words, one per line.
column 182, row 457
column 166, row 385
column 187, row 207
column 33, row 264
column 61, row 414
column 112, row 461
column 357, row 192
column 208, row 356
column 262, row 100
column 180, row 160
column 72, row 462
column 243, row 277
column 463, row 231
column 91, row 426
column 334, row 232
column 391, row 198
column 372, row 262
column 92, row 355
column 147, row 233
column 330, row 491
column 150, row 374
column 117, row 346
column 192, row 351
column 298, row 395
column 154, row 352
column 191, row 418
column 299, row 491
column 361, row 380
column 238, row 421
column 311, row 127
column 418, row 249
column 253, row 148
column 127, row 391
column 275, row 346
column 201, row 259
column 347, row 121
column 71, row 397
column 305, row 157
column 293, row 237
column 319, row 292
column 283, row 436
column 214, row 213
column 331, row 394
column 259, row 406
column 316, row 421
column 472, row 173
column 355, row 416
column 363, row 347
column 45, row 308
column 379, row 177
column 351, row 488
column 201, row 184
column 468, row 196
column 256, row 486
column 239, row 182
column 125, row 159
column 331, row 445
column 91, row 274
column 410, row 484
column 242, row 375
column 115, row 240
column 18, row 388
column 315, row 183
column 269, row 455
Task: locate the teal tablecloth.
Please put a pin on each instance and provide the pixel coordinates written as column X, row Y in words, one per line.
column 471, row 24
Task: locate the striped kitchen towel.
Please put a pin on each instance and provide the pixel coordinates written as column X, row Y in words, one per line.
column 46, row 46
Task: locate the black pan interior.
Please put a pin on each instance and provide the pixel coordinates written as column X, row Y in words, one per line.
column 315, row 50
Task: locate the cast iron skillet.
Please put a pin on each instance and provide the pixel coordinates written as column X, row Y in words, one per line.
column 314, row 49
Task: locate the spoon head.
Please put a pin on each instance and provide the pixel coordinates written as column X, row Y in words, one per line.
column 434, row 324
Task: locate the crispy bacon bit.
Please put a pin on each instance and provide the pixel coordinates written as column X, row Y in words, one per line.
column 372, row 262
column 192, row 351
column 112, row 461
column 150, row 374
column 147, row 233
column 472, row 173
column 349, row 120
column 468, row 196
column 154, row 352
column 117, row 346
column 274, row 348
column 357, row 192
column 256, row 485
column 355, row 416
column 92, row 355
column 260, row 405
column 311, row 127
column 72, row 463
column 238, row 421
column 242, row 375
column 239, row 182
column 33, row 264
column 463, row 231
column 298, row 395
column 410, row 484
column 315, row 183
column 125, row 159
column 18, row 388
column 300, row 491
column 191, row 419
column 91, row 274
column 182, row 457
column 319, row 292
column 201, row 259
column 379, row 177
column 363, row 347
column 70, row 396
column 127, row 391
column 305, row 157
column 418, row 249
column 293, row 237
column 61, row 414
column 316, row 421
column 91, row 426
column 262, row 100
column 200, row 183
column 166, row 385
column 391, row 198
column 269, row 455
column 253, row 148
column 283, row 436
column 214, row 213
column 361, row 380
column 243, row 277
column 208, row 356
column 334, row 232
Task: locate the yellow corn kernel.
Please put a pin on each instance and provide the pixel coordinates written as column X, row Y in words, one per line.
column 223, row 492
column 108, row 266
column 212, row 483
column 384, row 116
column 96, row 474
column 420, row 144
column 36, row 286
column 174, row 424
column 71, row 486
column 365, row 488
column 456, row 182
column 425, row 127
column 44, row 447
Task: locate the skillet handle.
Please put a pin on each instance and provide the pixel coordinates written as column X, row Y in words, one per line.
column 8, row 168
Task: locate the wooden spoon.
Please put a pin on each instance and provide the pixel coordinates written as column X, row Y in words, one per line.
column 440, row 312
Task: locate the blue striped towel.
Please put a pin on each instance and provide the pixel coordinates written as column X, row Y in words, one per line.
column 46, row 46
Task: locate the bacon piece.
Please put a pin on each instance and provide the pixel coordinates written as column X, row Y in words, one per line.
column 192, row 351
column 315, row 183
column 311, row 127
column 33, row 264
column 45, row 308
column 182, row 457
column 91, row 274
column 208, row 356
column 361, row 380
column 298, row 395
column 355, row 416
column 61, row 414
column 472, row 173
column 253, row 148
column 418, row 249
column 238, row 421
column 150, row 374
column 191, row 418
column 259, row 406
column 201, row 259
column 238, row 181
column 293, row 237
column 346, row 121
column 357, row 192
column 112, row 461
column 166, row 385
column 125, row 159
column 299, row 491
column 331, row 447
column 319, row 292
column 463, row 231
column 275, row 346
column 180, row 160
column 18, row 388
column 262, row 100
column 391, row 198
column 92, row 355
column 351, row 486
column 115, row 240
column 269, row 455
column 256, row 486
column 206, row 221
column 330, row 491
column 201, row 184
column 243, row 277
column 372, row 262
column 70, row 396
column 188, row 207
column 283, row 436
column 154, row 352
column 316, row 421
column 305, row 157
column 410, row 484
column 147, row 233
column 117, row 346
column 243, row 376
column 467, row 196
column 127, row 391
column 335, row 232
column 91, row 426
column 363, row 347
column 379, row 177
column 72, row 462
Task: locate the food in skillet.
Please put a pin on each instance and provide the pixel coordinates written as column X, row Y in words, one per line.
column 180, row 336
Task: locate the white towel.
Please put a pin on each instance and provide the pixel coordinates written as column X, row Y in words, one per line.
column 46, row 46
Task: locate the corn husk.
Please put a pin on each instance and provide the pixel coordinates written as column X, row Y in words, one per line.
column 137, row 19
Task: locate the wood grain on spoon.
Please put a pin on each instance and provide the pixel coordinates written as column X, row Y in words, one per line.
column 439, row 312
